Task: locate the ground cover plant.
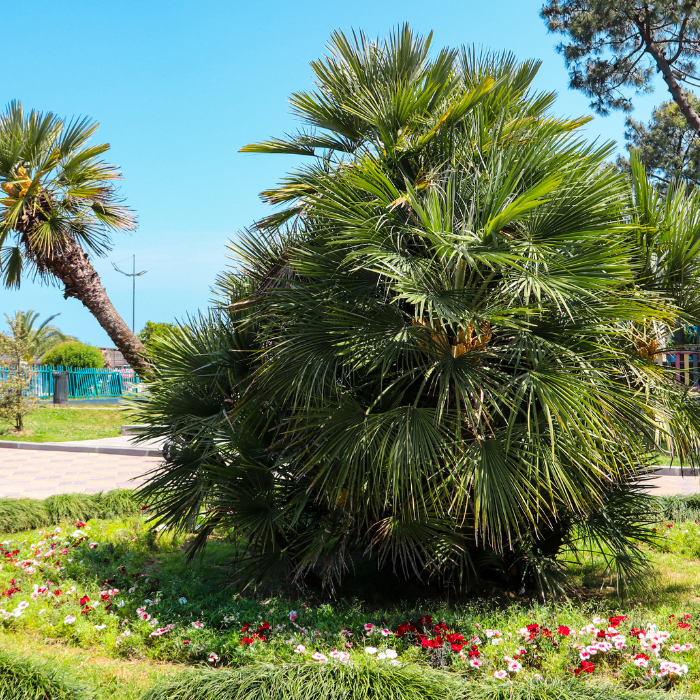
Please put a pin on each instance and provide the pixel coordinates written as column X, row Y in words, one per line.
column 27, row 679
column 50, row 423
column 121, row 589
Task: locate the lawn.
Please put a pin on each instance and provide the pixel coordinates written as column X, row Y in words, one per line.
column 119, row 605
column 61, row 423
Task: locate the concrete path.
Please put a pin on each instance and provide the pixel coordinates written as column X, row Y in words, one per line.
column 673, row 485
column 120, row 445
column 39, row 474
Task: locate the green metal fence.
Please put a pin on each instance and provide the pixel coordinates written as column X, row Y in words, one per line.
column 82, row 383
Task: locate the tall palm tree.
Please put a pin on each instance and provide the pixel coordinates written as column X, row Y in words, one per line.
column 60, row 207
column 426, row 355
column 38, row 339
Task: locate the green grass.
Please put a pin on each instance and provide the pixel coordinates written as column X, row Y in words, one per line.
column 23, row 678
column 108, row 639
column 61, row 423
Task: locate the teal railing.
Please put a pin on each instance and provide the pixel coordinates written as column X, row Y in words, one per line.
column 83, row 383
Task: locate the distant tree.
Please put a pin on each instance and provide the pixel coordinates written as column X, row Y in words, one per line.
column 74, row 354
column 617, row 44
column 152, row 330
column 667, row 147
column 39, row 339
column 61, row 206
column 15, row 399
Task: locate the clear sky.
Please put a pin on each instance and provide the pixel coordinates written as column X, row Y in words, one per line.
column 179, row 87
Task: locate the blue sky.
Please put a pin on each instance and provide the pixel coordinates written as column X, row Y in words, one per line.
column 179, row 87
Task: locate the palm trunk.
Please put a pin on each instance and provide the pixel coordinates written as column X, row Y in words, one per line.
column 73, row 267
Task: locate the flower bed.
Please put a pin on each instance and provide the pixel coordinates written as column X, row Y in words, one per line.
column 90, row 585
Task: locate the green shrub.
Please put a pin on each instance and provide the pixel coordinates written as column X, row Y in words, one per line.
column 334, row 681
column 28, row 514
column 679, row 508
column 74, row 354
column 25, row 679
column 22, row 514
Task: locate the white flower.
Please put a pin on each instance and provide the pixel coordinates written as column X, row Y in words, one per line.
column 100, row 627
column 198, row 625
column 500, row 674
column 77, row 533
column 121, row 604
column 182, row 600
column 514, row 666
column 496, row 641
column 370, row 650
column 386, row 633
column 391, row 654
column 213, row 657
column 126, row 633
column 381, row 655
column 68, row 620
column 23, row 605
column 300, row 649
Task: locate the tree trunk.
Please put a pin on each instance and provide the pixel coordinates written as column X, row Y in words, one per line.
column 674, row 88
column 73, row 267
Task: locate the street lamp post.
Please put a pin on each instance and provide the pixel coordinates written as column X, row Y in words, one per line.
column 133, row 276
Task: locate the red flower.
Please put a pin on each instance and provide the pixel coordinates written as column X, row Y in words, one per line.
column 247, row 640
column 57, row 591
column 456, row 646
column 586, row 667
column 563, row 630
column 430, row 643
column 245, row 627
column 426, row 620
column 84, row 600
column 642, row 656
column 264, row 626
column 617, row 619
column 80, row 524
column 454, row 638
column 474, row 652
column 186, row 641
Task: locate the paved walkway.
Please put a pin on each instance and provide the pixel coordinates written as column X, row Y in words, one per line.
column 39, row 474
column 672, row 485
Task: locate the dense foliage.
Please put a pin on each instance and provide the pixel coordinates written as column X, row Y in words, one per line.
column 74, row 354
column 439, row 356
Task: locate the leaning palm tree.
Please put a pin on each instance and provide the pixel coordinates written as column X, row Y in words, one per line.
column 425, row 357
column 60, row 207
column 38, row 339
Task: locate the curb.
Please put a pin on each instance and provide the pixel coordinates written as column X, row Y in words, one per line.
column 105, row 450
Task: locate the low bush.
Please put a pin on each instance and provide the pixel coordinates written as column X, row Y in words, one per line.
column 74, row 354
column 26, row 679
column 312, row 682
column 21, row 514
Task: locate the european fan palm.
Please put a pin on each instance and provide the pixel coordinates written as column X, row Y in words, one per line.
column 60, row 206
column 39, row 338
column 427, row 357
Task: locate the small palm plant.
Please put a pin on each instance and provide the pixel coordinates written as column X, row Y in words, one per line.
column 425, row 357
column 60, row 206
column 39, row 338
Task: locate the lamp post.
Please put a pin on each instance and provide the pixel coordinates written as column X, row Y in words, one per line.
column 133, row 276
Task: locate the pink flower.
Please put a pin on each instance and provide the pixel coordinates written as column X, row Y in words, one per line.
column 500, row 674
column 475, row 663
column 23, row 605
column 386, row 633
column 145, row 616
column 317, row 656
column 213, row 658
column 68, row 620
column 93, row 545
column 342, row 656
column 369, row 626
column 514, row 667
column 198, row 625
column 293, row 615
column 300, row 649
column 584, row 655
